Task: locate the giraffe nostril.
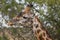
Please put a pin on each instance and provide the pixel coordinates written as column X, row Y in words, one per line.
column 10, row 23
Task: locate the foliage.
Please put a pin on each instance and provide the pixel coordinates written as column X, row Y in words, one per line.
column 52, row 16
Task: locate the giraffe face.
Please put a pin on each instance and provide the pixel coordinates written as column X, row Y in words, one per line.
column 24, row 20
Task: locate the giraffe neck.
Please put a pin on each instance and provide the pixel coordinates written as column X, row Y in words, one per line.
column 39, row 31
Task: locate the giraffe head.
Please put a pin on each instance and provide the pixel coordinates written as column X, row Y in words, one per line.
column 23, row 18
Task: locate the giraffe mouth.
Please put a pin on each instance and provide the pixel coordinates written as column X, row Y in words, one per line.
column 10, row 24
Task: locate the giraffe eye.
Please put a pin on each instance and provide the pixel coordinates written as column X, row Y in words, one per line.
column 25, row 17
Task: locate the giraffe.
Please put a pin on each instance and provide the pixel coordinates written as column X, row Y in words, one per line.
column 26, row 18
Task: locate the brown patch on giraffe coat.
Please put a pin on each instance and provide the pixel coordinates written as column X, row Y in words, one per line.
column 41, row 37
column 48, row 34
column 38, row 31
column 43, row 34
